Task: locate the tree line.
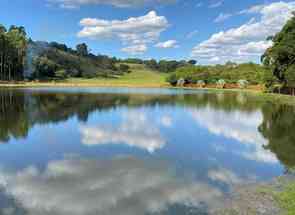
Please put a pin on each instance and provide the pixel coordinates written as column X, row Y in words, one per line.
column 165, row 66
column 52, row 60
column 13, row 47
column 230, row 73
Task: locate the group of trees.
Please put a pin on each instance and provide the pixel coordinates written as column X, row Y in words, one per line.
column 13, row 47
column 230, row 73
column 57, row 61
column 165, row 66
column 168, row 66
column 51, row 60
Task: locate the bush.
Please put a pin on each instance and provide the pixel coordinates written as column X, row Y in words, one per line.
column 221, row 83
column 201, row 83
column 124, row 68
column 172, row 79
column 243, row 84
column 61, row 74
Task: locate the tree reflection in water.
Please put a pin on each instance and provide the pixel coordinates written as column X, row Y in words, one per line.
column 20, row 110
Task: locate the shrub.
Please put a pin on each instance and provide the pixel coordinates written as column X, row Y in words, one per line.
column 124, row 68
column 221, row 83
column 61, row 74
column 201, row 83
column 243, row 84
column 172, row 79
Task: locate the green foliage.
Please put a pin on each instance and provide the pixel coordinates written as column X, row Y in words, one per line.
column 221, row 83
column 44, row 67
column 124, row 68
column 152, row 64
column 59, row 46
column 58, row 57
column 13, row 45
column 280, row 58
column 277, row 128
column 167, row 66
column 286, row 199
column 192, row 62
column 61, row 74
column 243, row 84
column 172, row 79
column 290, row 75
column 230, row 72
column 133, row 61
column 82, row 49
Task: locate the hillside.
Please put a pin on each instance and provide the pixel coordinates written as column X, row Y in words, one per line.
column 139, row 75
column 54, row 60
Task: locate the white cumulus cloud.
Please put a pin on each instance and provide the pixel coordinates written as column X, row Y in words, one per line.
column 135, row 49
column 247, row 42
column 135, row 33
column 167, row 44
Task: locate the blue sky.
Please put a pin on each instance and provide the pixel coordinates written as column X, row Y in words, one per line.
column 211, row 31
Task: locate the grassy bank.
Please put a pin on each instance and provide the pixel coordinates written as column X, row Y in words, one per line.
column 140, row 76
column 282, row 192
column 274, row 198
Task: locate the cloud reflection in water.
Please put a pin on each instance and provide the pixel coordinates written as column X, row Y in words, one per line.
column 135, row 130
column 237, row 125
column 122, row 185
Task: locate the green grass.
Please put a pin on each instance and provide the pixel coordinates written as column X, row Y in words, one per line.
column 286, row 199
column 139, row 76
column 285, row 196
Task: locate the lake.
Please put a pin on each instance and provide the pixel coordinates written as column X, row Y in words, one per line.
column 136, row 151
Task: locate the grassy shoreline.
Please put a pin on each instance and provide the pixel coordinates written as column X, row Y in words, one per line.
column 273, row 198
column 118, row 83
column 72, row 84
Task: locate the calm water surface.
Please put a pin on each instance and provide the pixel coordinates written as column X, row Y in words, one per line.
column 136, row 151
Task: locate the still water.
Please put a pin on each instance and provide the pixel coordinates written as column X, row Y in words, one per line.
column 136, row 151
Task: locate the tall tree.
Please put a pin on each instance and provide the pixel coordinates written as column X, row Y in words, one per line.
column 13, row 47
column 280, row 58
column 82, row 49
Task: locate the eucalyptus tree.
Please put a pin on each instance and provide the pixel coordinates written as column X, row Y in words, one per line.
column 3, row 43
column 13, row 48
